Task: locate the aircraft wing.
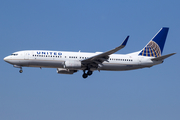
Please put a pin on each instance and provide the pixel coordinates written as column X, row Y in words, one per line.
column 98, row 59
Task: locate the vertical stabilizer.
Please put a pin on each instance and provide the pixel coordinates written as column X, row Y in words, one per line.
column 155, row 47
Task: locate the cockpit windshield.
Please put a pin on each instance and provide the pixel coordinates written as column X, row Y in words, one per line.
column 14, row 54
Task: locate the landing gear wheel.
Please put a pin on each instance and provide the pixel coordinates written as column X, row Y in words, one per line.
column 20, row 71
column 89, row 72
column 84, row 75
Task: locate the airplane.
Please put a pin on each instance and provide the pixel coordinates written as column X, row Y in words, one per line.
column 71, row 62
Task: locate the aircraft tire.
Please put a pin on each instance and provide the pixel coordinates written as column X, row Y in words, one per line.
column 85, row 75
column 20, row 71
column 89, row 72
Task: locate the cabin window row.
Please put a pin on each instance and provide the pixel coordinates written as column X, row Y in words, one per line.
column 46, row 56
column 80, row 57
column 83, row 57
column 121, row 59
column 77, row 57
column 72, row 57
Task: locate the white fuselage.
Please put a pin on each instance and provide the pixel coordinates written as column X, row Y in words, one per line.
column 71, row 62
column 57, row 59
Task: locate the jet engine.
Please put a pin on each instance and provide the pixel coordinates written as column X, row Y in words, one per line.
column 65, row 71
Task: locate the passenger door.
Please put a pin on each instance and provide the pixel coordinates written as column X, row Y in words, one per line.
column 26, row 55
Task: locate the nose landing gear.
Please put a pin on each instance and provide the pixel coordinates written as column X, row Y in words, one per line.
column 20, row 71
column 17, row 66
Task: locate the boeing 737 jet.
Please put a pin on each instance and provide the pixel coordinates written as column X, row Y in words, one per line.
column 71, row 62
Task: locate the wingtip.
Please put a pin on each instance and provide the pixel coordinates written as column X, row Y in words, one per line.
column 125, row 41
column 173, row 53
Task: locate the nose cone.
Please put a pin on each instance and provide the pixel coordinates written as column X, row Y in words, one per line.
column 7, row 59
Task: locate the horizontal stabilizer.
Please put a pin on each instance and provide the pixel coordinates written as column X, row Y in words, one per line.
column 162, row 57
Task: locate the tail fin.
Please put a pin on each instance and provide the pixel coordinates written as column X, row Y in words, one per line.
column 155, row 47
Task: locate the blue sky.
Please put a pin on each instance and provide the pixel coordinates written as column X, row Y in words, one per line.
column 88, row 26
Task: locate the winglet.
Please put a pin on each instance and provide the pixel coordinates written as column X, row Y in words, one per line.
column 125, row 41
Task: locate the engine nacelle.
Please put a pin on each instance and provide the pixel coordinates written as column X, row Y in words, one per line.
column 65, row 71
column 72, row 64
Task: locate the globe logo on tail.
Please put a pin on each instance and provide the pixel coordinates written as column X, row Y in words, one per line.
column 152, row 49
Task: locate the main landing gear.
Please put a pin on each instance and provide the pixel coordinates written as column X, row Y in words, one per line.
column 85, row 75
